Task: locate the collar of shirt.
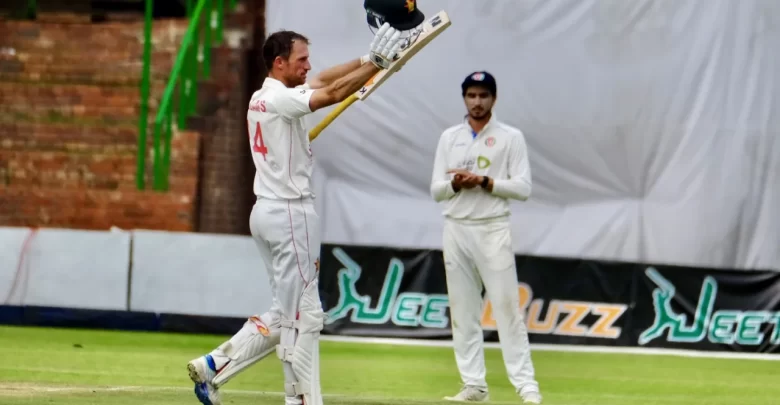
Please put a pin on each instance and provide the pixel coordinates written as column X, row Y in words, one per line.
column 273, row 83
column 487, row 126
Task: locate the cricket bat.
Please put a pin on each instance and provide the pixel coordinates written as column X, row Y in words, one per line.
column 431, row 28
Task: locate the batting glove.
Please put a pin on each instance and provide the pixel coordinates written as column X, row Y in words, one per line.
column 385, row 46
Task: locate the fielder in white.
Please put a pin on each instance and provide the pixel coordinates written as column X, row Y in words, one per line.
column 480, row 165
column 283, row 222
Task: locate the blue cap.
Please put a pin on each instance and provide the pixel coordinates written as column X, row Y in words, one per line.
column 483, row 79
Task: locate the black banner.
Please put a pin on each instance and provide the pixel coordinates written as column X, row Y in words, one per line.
column 573, row 301
column 688, row 308
column 383, row 292
column 369, row 291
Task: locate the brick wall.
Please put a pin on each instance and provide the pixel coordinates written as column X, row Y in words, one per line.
column 69, row 108
column 227, row 170
column 225, row 197
column 69, row 103
column 95, row 209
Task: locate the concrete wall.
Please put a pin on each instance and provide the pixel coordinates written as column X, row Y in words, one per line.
column 140, row 271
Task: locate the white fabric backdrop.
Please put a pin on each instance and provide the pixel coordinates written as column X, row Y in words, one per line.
column 652, row 125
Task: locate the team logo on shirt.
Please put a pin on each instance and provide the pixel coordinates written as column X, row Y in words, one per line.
column 466, row 164
column 490, row 141
column 483, row 162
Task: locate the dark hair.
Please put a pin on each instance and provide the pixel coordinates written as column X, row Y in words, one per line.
column 280, row 43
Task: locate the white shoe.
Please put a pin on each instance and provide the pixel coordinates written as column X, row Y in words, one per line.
column 470, row 394
column 202, row 371
column 531, row 397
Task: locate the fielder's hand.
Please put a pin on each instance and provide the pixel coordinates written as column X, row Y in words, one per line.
column 464, row 178
column 385, row 46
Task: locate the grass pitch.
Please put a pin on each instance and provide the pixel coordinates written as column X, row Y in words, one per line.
column 79, row 367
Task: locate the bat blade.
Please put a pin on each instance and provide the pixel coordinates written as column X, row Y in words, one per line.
column 431, row 29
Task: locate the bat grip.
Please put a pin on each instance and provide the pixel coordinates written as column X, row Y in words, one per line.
column 315, row 132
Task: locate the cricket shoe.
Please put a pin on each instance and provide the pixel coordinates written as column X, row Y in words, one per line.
column 202, row 370
column 531, row 397
column 470, row 394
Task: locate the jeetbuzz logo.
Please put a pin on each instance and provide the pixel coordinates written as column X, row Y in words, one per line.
column 562, row 317
column 406, row 309
column 719, row 327
column 483, row 162
column 675, row 324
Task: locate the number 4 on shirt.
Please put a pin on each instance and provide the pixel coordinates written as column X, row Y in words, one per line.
column 258, row 145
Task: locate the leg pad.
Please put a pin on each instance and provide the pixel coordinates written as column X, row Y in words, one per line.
column 299, row 346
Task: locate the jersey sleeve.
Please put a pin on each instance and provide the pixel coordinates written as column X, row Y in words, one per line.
column 518, row 185
column 441, row 184
column 292, row 103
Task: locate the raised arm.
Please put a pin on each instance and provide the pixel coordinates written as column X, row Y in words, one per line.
column 518, row 185
column 342, row 87
column 296, row 102
column 328, row 76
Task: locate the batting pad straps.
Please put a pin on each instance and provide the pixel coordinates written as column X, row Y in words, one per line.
column 299, row 348
column 287, row 342
column 306, row 357
column 292, row 389
column 288, row 324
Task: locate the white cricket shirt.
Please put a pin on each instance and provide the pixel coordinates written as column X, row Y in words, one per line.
column 498, row 151
column 279, row 141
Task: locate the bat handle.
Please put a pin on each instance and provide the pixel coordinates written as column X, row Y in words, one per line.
column 315, row 132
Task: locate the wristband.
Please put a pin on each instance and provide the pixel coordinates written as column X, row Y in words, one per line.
column 365, row 58
column 485, row 181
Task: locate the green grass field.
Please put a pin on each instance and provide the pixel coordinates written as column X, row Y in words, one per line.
column 79, row 367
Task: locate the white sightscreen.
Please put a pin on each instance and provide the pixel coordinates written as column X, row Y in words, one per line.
column 652, row 126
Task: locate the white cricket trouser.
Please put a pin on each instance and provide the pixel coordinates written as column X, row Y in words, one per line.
column 288, row 236
column 477, row 254
column 287, row 233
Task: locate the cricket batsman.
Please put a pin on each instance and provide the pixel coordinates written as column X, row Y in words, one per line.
column 283, row 221
column 480, row 165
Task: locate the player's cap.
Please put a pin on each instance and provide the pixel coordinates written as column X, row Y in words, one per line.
column 402, row 15
column 483, row 79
